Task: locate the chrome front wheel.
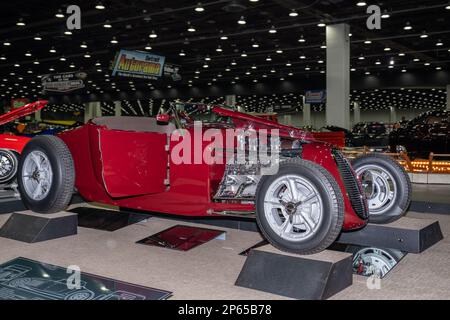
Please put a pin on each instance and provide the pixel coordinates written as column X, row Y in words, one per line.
column 293, row 208
column 37, row 175
column 379, row 186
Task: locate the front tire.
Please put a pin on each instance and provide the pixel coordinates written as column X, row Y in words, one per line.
column 387, row 187
column 46, row 175
column 300, row 209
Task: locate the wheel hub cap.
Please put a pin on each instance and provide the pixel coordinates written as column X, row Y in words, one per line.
column 37, row 175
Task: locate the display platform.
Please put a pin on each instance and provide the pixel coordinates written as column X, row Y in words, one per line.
column 182, row 238
column 318, row 276
column 107, row 220
column 26, row 279
column 32, row 227
column 406, row 234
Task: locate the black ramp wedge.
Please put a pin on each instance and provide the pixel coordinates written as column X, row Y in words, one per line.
column 407, row 234
column 32, row 227
column 313, row 277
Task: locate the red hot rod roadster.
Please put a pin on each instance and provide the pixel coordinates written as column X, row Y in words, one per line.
column 314, row 194
column 11, row 146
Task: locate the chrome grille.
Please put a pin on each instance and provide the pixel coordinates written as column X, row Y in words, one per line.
column 352, row 185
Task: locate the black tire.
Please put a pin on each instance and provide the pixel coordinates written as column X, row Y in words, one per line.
column 332, row 200
column 62, row 186
column 7, row 176
column 402, row 197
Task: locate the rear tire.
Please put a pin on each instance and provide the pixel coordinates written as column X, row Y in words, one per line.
column 9, row 163
column 387, row 186
column 46, row 175
column 307, row 220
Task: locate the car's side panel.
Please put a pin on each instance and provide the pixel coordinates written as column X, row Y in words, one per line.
column 14, row 143
column 133, row 163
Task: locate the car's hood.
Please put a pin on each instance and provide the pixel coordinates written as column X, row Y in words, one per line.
column 22, row 111
column 248, row 120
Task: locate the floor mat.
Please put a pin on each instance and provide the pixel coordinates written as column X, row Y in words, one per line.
column 107, row 220
column 181, row 237
column 26, row 279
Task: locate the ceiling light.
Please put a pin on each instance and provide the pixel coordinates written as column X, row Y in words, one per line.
column 243, row 54
column 438, row 68
column 182, row 53
column 87, row 55
column 352, row 69
column 68, row 33
column 37, row 38
column 233, row 63
column 361, row 4
column 321, row 25
column 242, row 20
column 199, row 8
column 83, row 45
column 16, row 65
column 148, row 47
column 62, row 59
column 439, row 43
column 288, row 64
column 447, row 7
column 223, row 38
column 387, row 49
column 268, row 58
column 107, row 25
column 114, row 40
column 6, row 43
column 367, row 72
column 378, row 62
column 153, row 35
column 52, row 50
column 385, row 15
column 323, row 46
column 219, row 49
column 100, row 6
column 407, row 27
column 190, row 27
column 72, row 65
column 2, row 58
column 28, row 54
column 361, row 57
column 59, row 14
column 427, row 64
column 51, row 69
column 307, row 68
column 272, row 30
column 20, row 23
column 301, row 39
column 302, row 57
column 36, row 62
column 403, row 70
column 367, row 42
column 255, row 45
column 401, row 54
column 253, row 67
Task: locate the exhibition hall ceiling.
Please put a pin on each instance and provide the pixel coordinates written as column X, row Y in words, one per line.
column 214, row 42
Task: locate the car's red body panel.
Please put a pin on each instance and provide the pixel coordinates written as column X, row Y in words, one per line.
column 128, row 169
column 16, row 143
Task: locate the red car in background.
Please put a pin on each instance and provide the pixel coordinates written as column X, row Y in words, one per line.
column 11, row 146
column 131, row 162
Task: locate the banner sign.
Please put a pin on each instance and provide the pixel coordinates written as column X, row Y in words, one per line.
column 315, row 96
column 17, row 103
column 63, row 82
column 138, row 64
column 173, row 71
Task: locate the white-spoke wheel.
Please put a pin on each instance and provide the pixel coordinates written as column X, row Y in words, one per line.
column 37, row 175
column 293, row 208
column 379, row 186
